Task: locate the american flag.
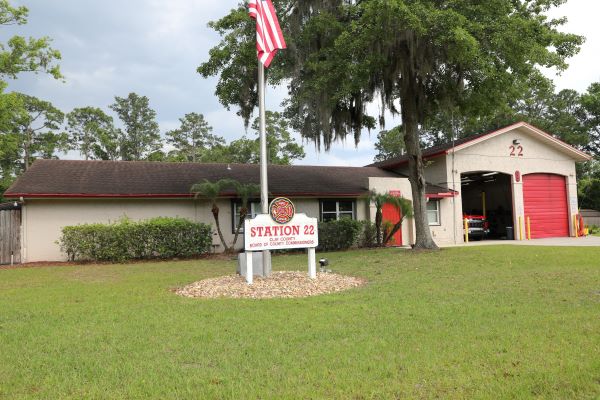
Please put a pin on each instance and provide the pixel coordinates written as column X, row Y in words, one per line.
column 268, row 33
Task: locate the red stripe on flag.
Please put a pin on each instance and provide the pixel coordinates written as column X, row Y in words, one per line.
column 269, row 37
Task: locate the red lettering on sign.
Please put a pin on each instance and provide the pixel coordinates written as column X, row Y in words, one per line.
column 309, row 230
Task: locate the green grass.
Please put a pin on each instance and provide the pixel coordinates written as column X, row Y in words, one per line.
column 502, row 322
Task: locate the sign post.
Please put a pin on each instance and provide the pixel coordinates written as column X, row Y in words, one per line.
column 312, row 263
column 249, row 268
column 281, row 229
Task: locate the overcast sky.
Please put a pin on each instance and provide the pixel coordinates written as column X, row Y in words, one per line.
column 152, row 47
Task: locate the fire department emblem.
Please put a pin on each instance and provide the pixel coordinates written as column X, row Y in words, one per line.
column 282, row 210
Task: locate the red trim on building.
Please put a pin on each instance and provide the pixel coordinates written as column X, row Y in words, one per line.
column 441, row 195
column 155, row 195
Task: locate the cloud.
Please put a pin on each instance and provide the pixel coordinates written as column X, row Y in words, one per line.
column 153, row 47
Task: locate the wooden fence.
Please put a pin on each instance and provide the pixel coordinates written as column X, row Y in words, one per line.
column 591, row 217
column 10, row 236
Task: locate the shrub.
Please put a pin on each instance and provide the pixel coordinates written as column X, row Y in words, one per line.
column 368, row 237
column 338, row 235
column 592, row 229
column 126, row 240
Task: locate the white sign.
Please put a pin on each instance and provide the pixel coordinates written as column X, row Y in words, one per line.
column 263, row 233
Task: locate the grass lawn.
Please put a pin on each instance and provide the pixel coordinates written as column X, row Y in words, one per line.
column 503, row 322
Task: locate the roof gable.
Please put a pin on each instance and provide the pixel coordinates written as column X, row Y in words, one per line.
column 460, row 144
column 542, row 136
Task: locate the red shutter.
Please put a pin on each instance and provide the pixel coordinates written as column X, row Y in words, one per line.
column 545, row 201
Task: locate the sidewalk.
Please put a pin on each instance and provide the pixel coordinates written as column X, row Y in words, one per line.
column 563, row 241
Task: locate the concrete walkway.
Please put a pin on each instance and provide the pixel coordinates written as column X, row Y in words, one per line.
column 565, row 241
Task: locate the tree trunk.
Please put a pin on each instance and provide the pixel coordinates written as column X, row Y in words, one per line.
column 378, row 221
column 243, row 214
column 416, row 170
column 215, row 213
column 397, row 226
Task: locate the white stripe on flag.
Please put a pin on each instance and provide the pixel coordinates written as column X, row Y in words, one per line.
column 273, row 27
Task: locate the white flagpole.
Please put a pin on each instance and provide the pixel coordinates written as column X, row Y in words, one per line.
column 264, row 185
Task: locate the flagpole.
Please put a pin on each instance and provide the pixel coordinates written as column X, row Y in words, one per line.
column 264, row 185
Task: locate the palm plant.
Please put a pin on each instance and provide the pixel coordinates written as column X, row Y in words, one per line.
column 405, row 210
column 244, row 191
column 379, row 200
column 212, row 191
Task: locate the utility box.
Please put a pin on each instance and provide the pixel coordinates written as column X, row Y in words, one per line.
column 257, row 264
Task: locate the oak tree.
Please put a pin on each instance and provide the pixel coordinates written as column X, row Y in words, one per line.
column 415, row 57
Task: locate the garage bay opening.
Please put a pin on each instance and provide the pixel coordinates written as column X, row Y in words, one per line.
column 487, row 205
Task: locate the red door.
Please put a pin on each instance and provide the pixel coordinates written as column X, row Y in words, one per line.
column 545, row 201
column 390, row 213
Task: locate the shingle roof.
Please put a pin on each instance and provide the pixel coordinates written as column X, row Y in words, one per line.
column 69, row 178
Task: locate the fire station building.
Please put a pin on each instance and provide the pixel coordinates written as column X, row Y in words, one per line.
column 520, row 178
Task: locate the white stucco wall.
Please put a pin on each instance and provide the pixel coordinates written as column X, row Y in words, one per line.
column 443, row 233
column 43, row 219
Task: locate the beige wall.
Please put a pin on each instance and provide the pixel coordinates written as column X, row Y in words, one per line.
column 43, row 219
column 443, row 233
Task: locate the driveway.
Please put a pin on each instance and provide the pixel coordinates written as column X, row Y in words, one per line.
column 564, row 241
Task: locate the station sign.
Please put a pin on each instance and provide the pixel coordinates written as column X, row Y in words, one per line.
column 281, row 229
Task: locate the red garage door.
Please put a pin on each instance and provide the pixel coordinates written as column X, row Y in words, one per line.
column 545, row 199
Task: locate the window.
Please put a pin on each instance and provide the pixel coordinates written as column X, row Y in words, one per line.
column 433, row 212
column 253, row 209
column 332, row 210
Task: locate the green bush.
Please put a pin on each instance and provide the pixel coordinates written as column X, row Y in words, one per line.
column 368, row 236
column 127, row 240
column 593, row 229
column 338, row 235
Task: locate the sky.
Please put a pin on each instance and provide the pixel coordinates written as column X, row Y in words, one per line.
column 151, row 47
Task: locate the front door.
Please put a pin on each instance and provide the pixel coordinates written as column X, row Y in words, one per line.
column 391, row 214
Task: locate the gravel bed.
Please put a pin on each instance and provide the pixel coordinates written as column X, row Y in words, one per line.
column 281, row 284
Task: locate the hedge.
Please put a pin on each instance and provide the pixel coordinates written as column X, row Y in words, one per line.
column 339, row 235
column 127, row 240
